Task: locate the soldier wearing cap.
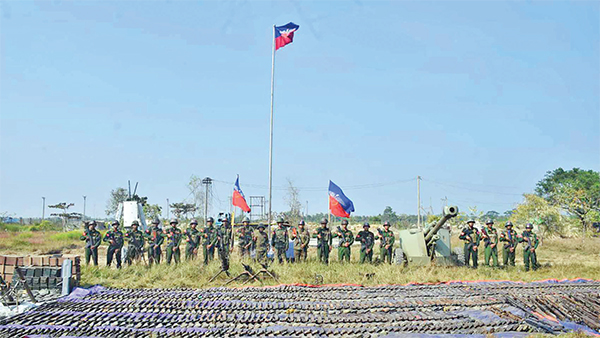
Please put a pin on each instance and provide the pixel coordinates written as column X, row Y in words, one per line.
column 135, row 239
column 114, row 238
column 490, row 243
column 472, row 238
column 261, row 242
column 324, row 241
column 209, row 240
column 245, row 238
column 387, row 243
column 301, row 238
column 509, row 236
column 280, row 240
column 155, row 238
column 192, row 239
column 346, row 238
column 530, row 243
column 92, row 238
column 367, row 241
column 174, row 237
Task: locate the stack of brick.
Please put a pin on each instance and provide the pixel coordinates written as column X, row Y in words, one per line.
column 8, row 263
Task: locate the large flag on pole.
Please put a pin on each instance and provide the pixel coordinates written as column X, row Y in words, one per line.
column 284, row 34
column 238, row 199
column 339, row 204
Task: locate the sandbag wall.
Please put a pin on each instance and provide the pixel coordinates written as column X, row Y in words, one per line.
column 39, row 271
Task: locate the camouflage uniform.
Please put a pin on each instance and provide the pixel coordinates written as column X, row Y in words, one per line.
column 115, row 239
column 472, row 238
column 367, row 241
column 155, row 238
column 324, row 242
column 509, row 236
column 490, row 243
column 387, row 244
column 174, row 236
column 92, row 239
column 224, row 233
column 346, row 238
column 209, row 240
column 531, row 243
column 245, row 240
column 280, row 241
column 301, row 238
column 192, row 239
column 261, row 242
column 135, row 247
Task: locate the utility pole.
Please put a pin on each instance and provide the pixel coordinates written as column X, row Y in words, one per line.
column 43, row 208
column 207, row 181
column 419, row 201
column 84, row 197
column 167, row 208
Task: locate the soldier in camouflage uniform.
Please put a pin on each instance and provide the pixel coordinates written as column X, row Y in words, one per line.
column 245, row 238
column 192, row 239
column 509, row 250
column 472, row 238
column 280, row 241
column 209, row 240
column 387, row 243
column 324, row 241
column 531, row 242
column 261, row 242
column 301, row 238
column 224, row 244
column 367, row 241
column 115, row 240
column 174, row 237
column 490, row 243
column 93, row 239
column 346, row 238
column 135, row 247
column 155, row 238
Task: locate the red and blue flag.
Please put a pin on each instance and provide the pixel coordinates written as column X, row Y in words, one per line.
column 239, row 200
column 339, row 204
column 284, row 34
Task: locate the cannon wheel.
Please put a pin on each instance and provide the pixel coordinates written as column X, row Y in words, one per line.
column 459, row 256
column 400, row 258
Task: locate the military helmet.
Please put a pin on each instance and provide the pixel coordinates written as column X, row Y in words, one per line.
column 225, row 219
column 261, row 226
column 246, row 219
column 280, row 220
column 210, row 219
column 471, row 221
column 92, row 223
column 529, row 226
column 135, row 223
column 366, row 225
column 194, row 221
column 173, row 220
column 489, row 221
column 345, row 222
column 301, row 222
column 508, row 224
column 115, row 222
column 386, row 224
column 324, row 220
column 156, row 221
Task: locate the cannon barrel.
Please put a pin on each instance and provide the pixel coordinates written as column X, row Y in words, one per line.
column 449, row 212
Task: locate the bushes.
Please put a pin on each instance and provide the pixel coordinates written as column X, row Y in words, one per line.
column 45, row 226
column 73, row 235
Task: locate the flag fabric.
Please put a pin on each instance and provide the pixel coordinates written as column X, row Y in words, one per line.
column 339, row 204
column 284, row 34
column 239, row 200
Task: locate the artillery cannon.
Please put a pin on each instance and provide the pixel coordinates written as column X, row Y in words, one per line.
column 421, row 246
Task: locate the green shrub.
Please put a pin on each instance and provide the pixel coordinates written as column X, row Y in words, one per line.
column 73, row 235
column 12, row 227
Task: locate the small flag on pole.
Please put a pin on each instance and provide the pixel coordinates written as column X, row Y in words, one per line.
column 339, row 204
column 238, row 199
column 284, row 34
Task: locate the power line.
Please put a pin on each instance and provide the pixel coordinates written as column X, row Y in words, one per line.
column 471, row 189
column 349, row 187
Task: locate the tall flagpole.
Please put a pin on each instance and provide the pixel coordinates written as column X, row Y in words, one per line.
column 271, row 138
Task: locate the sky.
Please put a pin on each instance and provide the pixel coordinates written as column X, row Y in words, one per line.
column 479, row 99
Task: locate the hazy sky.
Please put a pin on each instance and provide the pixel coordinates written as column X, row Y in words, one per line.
column 478, row 98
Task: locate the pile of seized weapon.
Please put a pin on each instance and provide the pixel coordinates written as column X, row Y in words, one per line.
column 295, row 310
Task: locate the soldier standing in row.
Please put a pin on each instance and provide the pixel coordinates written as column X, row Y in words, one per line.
column 192, row 240
column 471, row 237
column 245, row 238
column 301, row 238
column 92, row 240
column 508, row 251
column 174, row 236
column 387, row 243
column 490, row 243
column 114, row 237
column 261, row 242
column 209, row 240
column 155, row 239
column 135, row 239
column 324, row 242
column 531, row 243
column 224, row 233
column 346, row 238
column 280, row 241
column 367, row 241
